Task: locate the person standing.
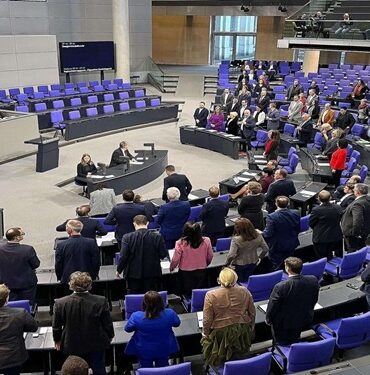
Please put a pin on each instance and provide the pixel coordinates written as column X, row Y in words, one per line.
column 295, row 110
column 338, row 161
column 294, row 90
column 213, row 216
column 201, row 115
column 325, row 224
column 365, row 287
column 140, row 257
column 76, row 254
column 327, row 116
column 281, row 232
column 14, row 322
column 82, row 324
column 291, row 304
column 272, row 145
column 273, row 117
column 247, row 126
column 356, row 218
column 226, row 99
column 305, row 129
column 102, row 200
column 18, row 263
column 179, row 181
column 216, row 120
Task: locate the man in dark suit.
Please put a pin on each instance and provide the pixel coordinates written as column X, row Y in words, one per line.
column 233, row 106
column 18, row 263
column 305, row 129
column 14, row 322
column 120, row 155
column 213, row 216
column 91, row 227
column 263, row 100
column 201, row 115
column 344, row 120
column 348, row 197
column 325, row 223
column 76, row 254
column 179, row 181
column 281, row 232
column 141, row 254
column 273, row 117
column 365, row 287
column 291, row 304
column 293, row 90
column 356, row 218
column 172, row 216
column 281, row 186
column 226, row 99
column 82, row 324
column 123, row 215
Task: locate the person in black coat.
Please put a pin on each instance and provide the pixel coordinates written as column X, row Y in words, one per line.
column 82, row 324
column 140, row 258
column 14, row 322
column 120, row 155
column 365, row 287
column 233, row 106
column 91, row 227
column 85, row 166
column 325, row 224
column 247, row 126
column 123, row 215
column 348, row 197
column 250, row 206
column 263, row 100
column 213, row 216
column 232, row 126
column 281, row 186
column 345, row 120
column 76, row 254
column 201, row 115
column 305, row 129
column 291, row 304
column 281, row 232
column 179, row 181
column 18, row 263
column 294, row 89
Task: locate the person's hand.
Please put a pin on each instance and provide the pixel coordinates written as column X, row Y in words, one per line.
column 333, row 170
column 57, row 346
column 267, row 323
column 118, row 276
column 258, row 261
column 212, row 125
column 197, row 121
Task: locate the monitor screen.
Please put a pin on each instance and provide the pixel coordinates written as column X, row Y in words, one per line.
column 86, row 56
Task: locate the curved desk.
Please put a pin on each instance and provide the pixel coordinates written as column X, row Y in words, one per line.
column 136, row 176
column 317, row 167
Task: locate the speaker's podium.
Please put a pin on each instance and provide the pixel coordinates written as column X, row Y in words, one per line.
column 47, row 153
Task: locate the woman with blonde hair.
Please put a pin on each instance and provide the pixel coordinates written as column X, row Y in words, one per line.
column 228, row 321
column 232, row 126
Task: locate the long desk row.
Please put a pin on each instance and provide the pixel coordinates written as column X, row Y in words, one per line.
column 120, row 120
column 317, row 166
column 337, row 300
column 213, row 140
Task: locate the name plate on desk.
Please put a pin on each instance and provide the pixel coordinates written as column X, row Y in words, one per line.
column 200, row 319
column 264, row 307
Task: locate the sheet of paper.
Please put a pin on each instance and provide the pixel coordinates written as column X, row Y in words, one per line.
column 249, row 174
column 135, row 162
column 110, row 176
column 323, row 164
column 318, row 307
column 307, row 192
column 165, row 264
column 141, row 158
column 261, row 166
column 43, row 330
column 200, row 318
column 171, row 252
column 227, row 135
column 263, row 307
column 235, row 137
column 192, row 196
column 95, row 176
column 244, row 179
column 109, row 237
column 258, row 156
column 212, row 130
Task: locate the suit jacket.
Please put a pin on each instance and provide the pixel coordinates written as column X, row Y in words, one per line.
column 250, row 207
column 83, row 170
column 171, row 217
column 76, row 254
column 325, row 222
column 291, row 303
column 327, row 117
column 91, row 227
column 229, row 99
column 82, row 323
column 294, row 90
column 273, row 123
column 181, row 182
column 247, row 127
column 263, row 102
column 202, row 117
column 213, row 216
column 365, row 277
column 278, row 187
column 14, row 322
column 295, row 111
column 345, row 121
column 281, row 234
column 123, row 215
column 233, row 107
column 346, row 201
column 17, row 265
column 241, row 111
column 330, row 146
column 356, row 218
column 233, row 126
column 117, row 157
column 305, row 134
column 141, row 254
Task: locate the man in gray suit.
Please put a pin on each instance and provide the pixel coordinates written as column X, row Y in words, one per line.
column 226, row 99
column 294, row 110
column 273, row 118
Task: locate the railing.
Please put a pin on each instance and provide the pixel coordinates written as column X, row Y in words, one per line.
column 155, row 73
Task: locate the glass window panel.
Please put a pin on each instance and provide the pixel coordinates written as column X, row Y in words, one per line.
column 222, row 48
column 245, row 47
column 243, row 24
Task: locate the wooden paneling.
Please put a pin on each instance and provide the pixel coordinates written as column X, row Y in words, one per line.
column 181, row 39
column 269, row 30
column 357, row 58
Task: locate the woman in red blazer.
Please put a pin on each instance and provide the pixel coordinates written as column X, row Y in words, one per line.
column 338, row 161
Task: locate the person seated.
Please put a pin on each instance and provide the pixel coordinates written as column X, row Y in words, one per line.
column 259, row 116
column 339, row 191
column 225, row 99
column 294, row 89
column 172, row 216
column 102, row 200
column 305, row 129
column 84, row 169
column 201, row 115
column 295, row 110
column 345, row 120
column 359, row 91
column 153, row 341
column 232, row 126
column 363, row 112
column 260, row 65
column 349, row 195
column 267, row 179
column 327, row 116
column 303, row 100
column 313, row 86
column 213, row 216
column 216, row 120
column 250, row 206
column 120, row 155
column 228, row 321
column 243, row 255
column 344, row 26
column 317, row 24
column 91, row 227
column 193, row 254
column 263, row 100
column 272, row 145
column 301, row 26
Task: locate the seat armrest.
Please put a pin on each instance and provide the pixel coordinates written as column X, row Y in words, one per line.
column 285, row 359
column 333, row 333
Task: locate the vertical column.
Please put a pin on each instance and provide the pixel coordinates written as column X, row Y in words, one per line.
column 311, row 61
column 121, row 38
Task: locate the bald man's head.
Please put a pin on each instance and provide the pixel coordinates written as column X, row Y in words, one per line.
column 324, row 196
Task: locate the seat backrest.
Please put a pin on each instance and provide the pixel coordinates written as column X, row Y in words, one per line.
column 112, row 86
column 261, row 285
column 91, row 112
column 260, row 364
column 93, row 83
column 319, row 139
column 75, row 102
column 262, row 135
column 351, row 165
column 24, row 304
column 223, row 244
column 289, row 129
column 22, row 108
column 21, row 98
column 134, row 302
column 83, row 89
column 74, row 115
column 194, row 213
column 55, row 86
column 108, row 108
column 197, row 299
column 69, row 85
column 357, row 130
column 139, row 93
column 92, row 99
column 305, row 223
column 293, row 162
column 81, row 84
column 38, row 95
column 352, row 264
column 315, row 268
column 123, row 95
column 14, row 92
column 124, row 106
column 55, row 93
column 155, row 102
column 98, row 88
column 29, row 90
column 58, row 104
column 40, row 107
column 291, row 151
column 308, row 355
column 140, row 104
column 56, row 116
column 118, row 82
column 105, row 82
column 363, row 173
column 354, row 331
column 181, row 369
column 356, row 155
column 69, row 91
column 108, row 97
column 279, row 96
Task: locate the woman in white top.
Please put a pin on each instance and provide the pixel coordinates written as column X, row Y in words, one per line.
column 259, row 116
column 102, row 201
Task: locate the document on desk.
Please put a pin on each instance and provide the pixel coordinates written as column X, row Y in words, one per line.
column 140, row 158
column 97, row 177
column 244, row 179
column 235, row 137
column 110, row 176
column 249, row 174
column 323, row 164
column 109, row 237
column 307, row 192
column 227, row 135
column 135, row 162
column 192, row 197
column 200, row 319
column 258, row 156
